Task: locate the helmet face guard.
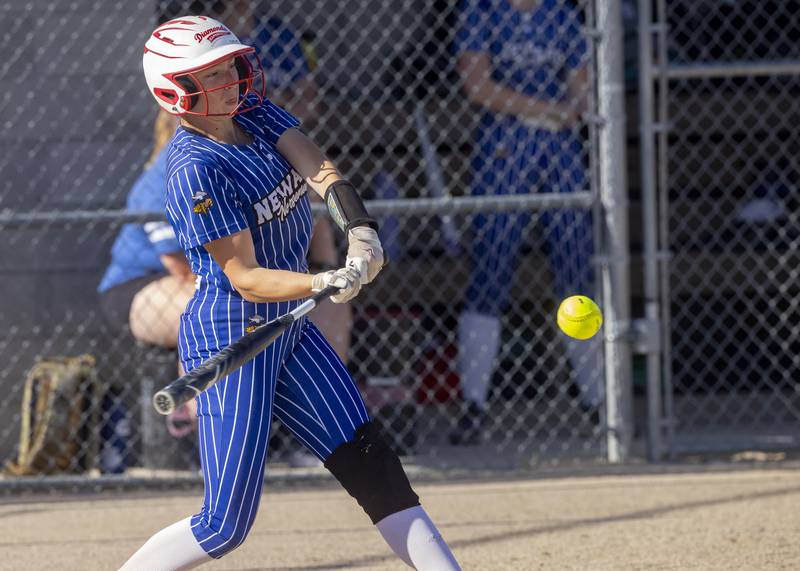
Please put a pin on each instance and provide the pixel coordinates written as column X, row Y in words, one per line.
column 194, row 101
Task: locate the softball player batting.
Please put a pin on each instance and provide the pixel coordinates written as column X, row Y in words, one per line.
column 238, row 175
column 523, row 63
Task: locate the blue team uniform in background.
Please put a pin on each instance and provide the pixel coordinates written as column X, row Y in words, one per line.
column 215, row 190
column 531, row 52
column 280, row 54
column 135, row 254
column 136, row 250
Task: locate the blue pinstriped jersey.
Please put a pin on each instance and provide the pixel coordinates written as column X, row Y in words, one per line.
column 215, row 190
column 531, row 52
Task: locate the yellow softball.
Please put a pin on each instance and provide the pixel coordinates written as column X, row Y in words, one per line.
column 579, row 317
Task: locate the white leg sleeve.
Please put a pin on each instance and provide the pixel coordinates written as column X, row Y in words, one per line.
column 585, row 360
column 174, row 548
column 413, row 537
column 478, row 344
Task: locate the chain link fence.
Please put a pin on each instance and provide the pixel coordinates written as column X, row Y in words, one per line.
column 725, row 167
column 379, row 88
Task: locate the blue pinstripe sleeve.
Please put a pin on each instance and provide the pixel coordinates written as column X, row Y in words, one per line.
column 275, row 120
column 202, row 205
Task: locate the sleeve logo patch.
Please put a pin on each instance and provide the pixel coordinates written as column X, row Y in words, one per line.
column 202, row 203
column 253, row 323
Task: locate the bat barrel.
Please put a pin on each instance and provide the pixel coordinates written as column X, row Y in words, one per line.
column 230, row 358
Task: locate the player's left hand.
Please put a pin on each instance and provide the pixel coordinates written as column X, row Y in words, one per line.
column 364, row 252
column 347, row 280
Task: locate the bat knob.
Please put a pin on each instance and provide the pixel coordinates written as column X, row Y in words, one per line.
column 163, row 402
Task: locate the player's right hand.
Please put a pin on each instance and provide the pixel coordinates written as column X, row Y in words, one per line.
column 560, row 116
column 348, row 280
column 541, row 123
column 364, row 252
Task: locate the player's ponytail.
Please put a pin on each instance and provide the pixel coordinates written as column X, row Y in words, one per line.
column 163, row 131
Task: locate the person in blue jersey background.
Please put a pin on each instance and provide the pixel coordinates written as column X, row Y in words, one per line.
column 523, row 63
column 239, row 172
column 148, row 282
column 287, row 70
column 143, row 292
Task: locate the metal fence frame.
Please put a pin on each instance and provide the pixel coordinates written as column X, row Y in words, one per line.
column 608, row 201
column 616, row 447
column 656, row 74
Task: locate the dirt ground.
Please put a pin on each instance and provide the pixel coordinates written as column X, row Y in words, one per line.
column 729, row 520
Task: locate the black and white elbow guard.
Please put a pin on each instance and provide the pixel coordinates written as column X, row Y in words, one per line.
column 346, row 207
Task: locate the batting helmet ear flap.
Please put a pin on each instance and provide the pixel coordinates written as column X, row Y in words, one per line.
column 190, row 87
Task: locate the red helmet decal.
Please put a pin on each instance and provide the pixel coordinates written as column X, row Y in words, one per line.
column 157, row 35
column 179, row 21
column 147, row 50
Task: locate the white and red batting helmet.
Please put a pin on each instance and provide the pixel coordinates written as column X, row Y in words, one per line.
column 180, row 48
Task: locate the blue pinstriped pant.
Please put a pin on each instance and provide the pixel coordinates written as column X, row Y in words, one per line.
column 303, row 383
column 519, row 161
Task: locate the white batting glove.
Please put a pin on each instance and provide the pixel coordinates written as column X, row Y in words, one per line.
column 540, row 123
column 348, row 280
column 364, row 252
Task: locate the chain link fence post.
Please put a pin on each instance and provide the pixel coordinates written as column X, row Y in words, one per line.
column 614, row 200
column 390, row 108
column 725, row 170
